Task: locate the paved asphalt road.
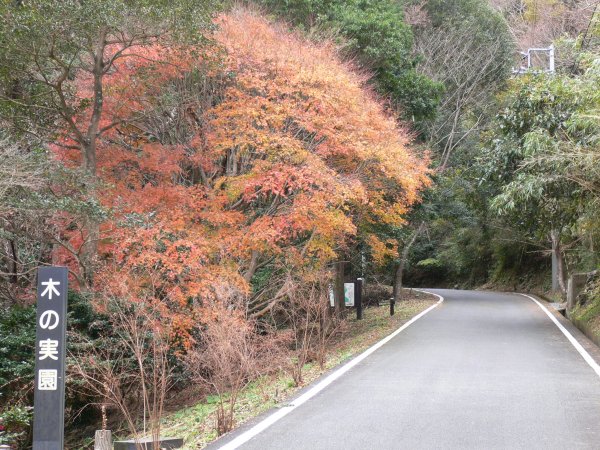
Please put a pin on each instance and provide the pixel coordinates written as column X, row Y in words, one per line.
column 480, row 371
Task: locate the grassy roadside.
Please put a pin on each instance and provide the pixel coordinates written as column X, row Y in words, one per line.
column 586, row 314
column 196, row 424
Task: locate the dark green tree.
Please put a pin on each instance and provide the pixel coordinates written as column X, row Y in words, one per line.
column 542, row 158
column 375, row 33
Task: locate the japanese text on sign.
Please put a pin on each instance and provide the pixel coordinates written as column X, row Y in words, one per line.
column 50, row 346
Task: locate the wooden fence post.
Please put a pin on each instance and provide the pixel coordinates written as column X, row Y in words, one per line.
column 103, row 440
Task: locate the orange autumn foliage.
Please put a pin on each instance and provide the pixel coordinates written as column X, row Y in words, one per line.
column 274, row 149
column 298, row 122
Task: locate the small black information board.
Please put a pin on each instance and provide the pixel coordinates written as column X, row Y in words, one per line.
column 50, row 346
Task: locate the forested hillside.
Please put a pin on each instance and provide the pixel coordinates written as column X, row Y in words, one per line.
column 509, row 191
column 210, row 172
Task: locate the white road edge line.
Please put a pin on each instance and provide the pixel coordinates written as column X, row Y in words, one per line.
column 582, row 351
column 285, row 410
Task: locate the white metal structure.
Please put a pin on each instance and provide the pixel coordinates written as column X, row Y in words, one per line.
column 527, row 63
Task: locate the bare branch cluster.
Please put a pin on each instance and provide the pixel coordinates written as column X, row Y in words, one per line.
column 231, row 353
column 132, row 372
column 469, row 71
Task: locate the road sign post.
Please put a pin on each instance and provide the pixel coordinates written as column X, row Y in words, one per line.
column 50, row 348
column 349, row 295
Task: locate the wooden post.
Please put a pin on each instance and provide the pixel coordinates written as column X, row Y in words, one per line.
column 392, row 304
column 103, row 440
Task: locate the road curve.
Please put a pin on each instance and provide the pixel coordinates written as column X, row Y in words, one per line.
column 483, row 370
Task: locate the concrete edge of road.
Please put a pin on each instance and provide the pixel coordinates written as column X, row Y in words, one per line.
column 588, row 350
column 239, row 437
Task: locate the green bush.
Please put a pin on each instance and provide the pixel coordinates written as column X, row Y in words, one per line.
column 17, row 341
column 15, row 422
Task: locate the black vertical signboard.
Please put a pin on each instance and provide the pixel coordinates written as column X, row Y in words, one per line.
column 50, row 346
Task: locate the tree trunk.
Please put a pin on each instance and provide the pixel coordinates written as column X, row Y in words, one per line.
column 14, row 277
column 89, row 250
column 252, row 266
column 397, row 293
column 89, row 149
column 338, row 290
column 402, row 264
column 557, row 255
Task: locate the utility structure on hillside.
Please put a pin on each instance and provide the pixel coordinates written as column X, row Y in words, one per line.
column 536, row 60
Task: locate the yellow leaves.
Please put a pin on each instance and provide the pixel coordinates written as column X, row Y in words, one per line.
column 320, row 248
column 381, row 251
column 232, row 187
